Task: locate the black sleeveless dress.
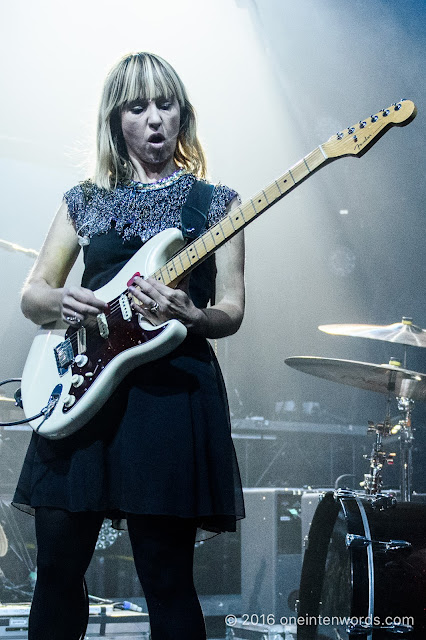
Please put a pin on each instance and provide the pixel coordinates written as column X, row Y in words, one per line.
column 162, row 442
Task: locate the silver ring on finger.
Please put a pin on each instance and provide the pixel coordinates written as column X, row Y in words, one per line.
column 72, row 319
column 154, row 308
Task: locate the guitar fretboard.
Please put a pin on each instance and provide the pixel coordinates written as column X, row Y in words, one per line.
column 228, row 226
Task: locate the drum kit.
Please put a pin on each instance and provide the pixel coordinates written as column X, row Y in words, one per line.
column 364, row 568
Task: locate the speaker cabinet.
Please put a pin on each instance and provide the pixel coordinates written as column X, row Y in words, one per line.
column 271, row 552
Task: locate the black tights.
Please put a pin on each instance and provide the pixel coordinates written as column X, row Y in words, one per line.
column 163, row 549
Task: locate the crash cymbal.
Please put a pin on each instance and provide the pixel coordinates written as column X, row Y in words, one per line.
column 383, row 378
column 404, row 332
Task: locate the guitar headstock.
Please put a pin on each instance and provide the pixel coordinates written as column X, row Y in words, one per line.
column 355, row 140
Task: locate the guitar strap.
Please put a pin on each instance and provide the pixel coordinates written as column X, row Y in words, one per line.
column 194, row 211
column 194, row 216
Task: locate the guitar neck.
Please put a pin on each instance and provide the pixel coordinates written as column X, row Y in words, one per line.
column 228, row 226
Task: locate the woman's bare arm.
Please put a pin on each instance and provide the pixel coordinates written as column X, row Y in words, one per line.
column 45, row 298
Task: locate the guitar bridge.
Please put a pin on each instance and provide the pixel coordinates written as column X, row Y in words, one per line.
column 64, row 352
column 64, row 356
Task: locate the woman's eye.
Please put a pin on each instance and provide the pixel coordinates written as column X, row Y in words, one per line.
column 138, row 106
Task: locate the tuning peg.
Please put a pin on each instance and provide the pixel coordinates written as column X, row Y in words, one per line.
column 351, row 130
column 362, row 124
column 374, row 118
column 339, row 135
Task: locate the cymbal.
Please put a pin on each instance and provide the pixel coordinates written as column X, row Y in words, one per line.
column 404, row 332
column 382, row 378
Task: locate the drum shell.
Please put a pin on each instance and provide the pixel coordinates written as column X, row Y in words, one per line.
column 363, row 581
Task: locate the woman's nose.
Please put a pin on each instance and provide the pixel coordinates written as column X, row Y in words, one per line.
column 154, row 116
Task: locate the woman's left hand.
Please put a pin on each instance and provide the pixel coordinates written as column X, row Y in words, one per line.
column 159, row 303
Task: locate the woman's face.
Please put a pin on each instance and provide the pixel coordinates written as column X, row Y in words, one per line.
column 150, row 129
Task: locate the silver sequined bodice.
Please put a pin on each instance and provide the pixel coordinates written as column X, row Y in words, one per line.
column 137, row 209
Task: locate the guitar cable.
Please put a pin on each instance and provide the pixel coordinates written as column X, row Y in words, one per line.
column 18, row 403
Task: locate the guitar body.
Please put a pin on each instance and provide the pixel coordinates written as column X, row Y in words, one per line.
column 78, row 369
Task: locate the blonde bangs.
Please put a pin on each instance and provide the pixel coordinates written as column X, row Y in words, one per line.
column 148, row 79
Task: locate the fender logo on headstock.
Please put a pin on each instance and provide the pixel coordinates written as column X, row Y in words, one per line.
column 360, row 145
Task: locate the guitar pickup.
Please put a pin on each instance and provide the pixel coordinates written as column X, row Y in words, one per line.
column 81, row 340
column 126, row 310
column 102, row 325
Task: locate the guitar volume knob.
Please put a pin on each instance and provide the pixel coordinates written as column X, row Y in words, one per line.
column 81, row 360
column 69, row 400
column 77, row 380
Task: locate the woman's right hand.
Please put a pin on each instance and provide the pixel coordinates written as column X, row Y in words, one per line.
column 78, row 303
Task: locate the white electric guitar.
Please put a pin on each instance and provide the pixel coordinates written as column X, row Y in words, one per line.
column 70, row 372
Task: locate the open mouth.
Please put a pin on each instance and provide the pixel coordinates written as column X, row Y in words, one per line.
column 156, row 138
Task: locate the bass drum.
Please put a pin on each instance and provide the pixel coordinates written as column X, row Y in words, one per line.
column 364, row 570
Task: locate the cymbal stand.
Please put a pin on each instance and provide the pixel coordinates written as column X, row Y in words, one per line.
column 373, row 481
column 406, row 438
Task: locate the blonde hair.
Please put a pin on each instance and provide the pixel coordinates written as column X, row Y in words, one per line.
column 141, row 75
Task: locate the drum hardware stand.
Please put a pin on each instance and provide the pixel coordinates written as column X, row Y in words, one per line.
column 373, row 481
column 406, row 438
